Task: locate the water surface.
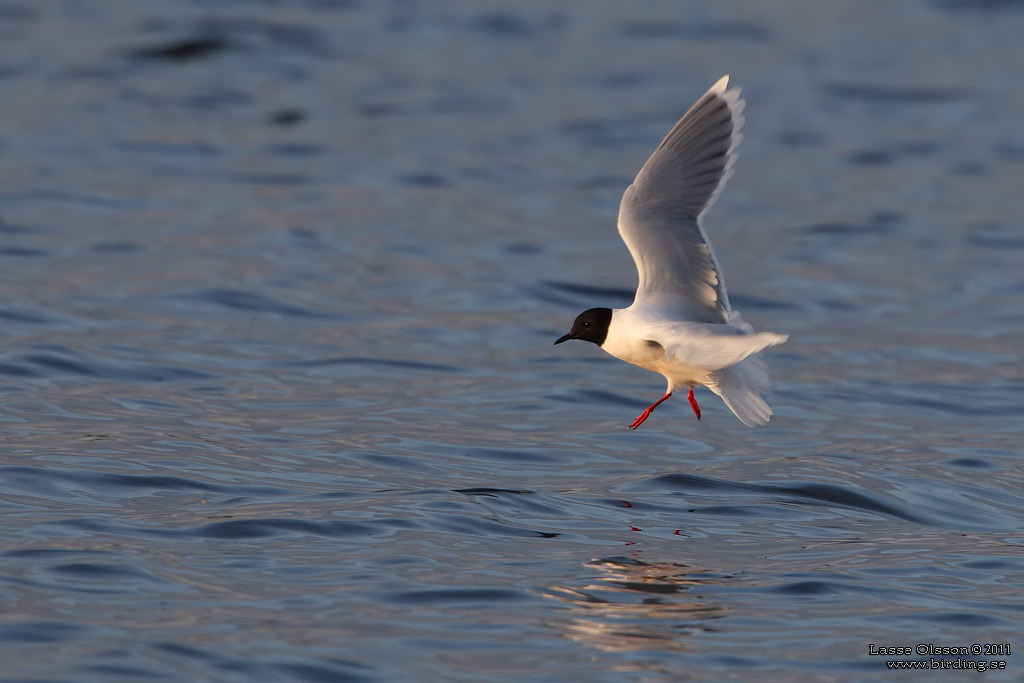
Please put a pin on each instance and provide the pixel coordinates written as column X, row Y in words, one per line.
column 278, row 399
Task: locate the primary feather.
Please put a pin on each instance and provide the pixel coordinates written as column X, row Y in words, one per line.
column 660, row 213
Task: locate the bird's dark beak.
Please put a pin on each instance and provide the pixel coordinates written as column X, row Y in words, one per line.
column 564, row 338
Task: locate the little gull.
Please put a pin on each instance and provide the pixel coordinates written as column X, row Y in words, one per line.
column 680, row 324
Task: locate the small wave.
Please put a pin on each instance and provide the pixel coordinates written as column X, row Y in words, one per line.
column 807, row 493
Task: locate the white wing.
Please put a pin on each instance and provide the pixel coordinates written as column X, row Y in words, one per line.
column 660, row 214
column 741, row 386
column 708, row 346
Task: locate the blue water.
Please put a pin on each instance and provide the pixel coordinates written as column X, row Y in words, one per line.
column 279, row 283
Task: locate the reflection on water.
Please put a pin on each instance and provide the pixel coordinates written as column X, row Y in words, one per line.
column 639, row 606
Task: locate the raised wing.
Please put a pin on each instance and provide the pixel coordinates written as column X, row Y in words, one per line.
column 660, row 214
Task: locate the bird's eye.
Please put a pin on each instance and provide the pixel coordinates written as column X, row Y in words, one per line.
column 586, row 324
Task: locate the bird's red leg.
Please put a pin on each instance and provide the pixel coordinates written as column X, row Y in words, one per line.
column 693, row 403
column 647, row 412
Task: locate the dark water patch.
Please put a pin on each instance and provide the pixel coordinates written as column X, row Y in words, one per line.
column 873, row 157
column 961, row 401
column 112, row 672
column 326, row 670
column 882, row 94
column 1008, row 565
column 515, row 26
column 703, row 31
column 20, row 315
column 116, row 247
column 93, row 577
column 521, row 248
column 753, row 303
column 492, row 492
column 553, row 292
column 65, row 483
column 510, row 455
column 970, row 464
column 473, row 526
column 425, row 180
column 514, row 504
column 803, row 493
column 215, row 37
column 838, row 305
column 875, row 227
column 60, row 363
column 38, row 555
column 800, row 138
column 729, row 510
column 253, row 302
column 50, row 409
column 24, row 252
column 93, row 200
column 10, row 228
column 214, row 100
column 199, row 150
column 36, row 632
column 606, row 134
column 870, row 157
column 505, row 25
column 13, row 12
column 831, row 494
column 334, row 5
column 142, row 484
column 57, row 361
column 183, row 49
column 380, row 109
column 150, row 406
column 366, row 361
column 290, row 116
column 14, row 370
column 585, row 396
column 291, row 38
column 267, row 667
column 183, row 650
column 603, row 181
column 272, row 528
column 464, row 102
column 1010, row 150
column 992, row 235
column 958, row 619
column 457, row 596
column 272, row 178
column 297, row 149
column 808, row 588
column 304, row 234
column 998, row 6
column 970, row 169
column 620, row 80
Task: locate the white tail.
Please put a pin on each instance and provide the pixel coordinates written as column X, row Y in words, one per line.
column 741, row 386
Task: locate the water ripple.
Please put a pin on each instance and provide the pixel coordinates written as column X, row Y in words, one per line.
column 805, row 493
column 52, row 360
column 254, row 302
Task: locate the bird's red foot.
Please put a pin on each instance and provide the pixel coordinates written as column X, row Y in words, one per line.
column 693, row 403
column 650, row 409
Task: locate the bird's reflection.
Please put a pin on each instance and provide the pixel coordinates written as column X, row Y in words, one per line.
column 637, row 605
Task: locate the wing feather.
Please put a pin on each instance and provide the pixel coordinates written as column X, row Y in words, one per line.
column 660, row 214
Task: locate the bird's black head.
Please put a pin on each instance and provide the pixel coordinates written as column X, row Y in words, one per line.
column 591, row 325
